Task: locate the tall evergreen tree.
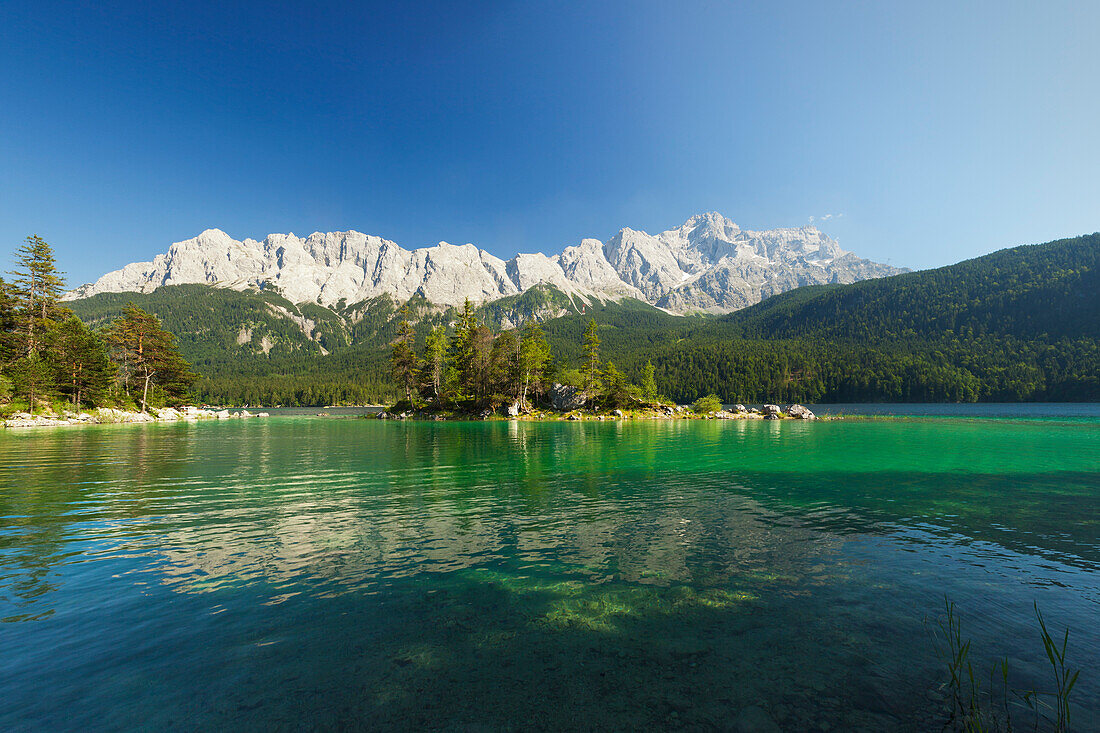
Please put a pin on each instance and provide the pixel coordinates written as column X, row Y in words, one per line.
column 616, row 389
column 534, row 355
column 590, row 368
column 149, row 355
column 9, row 323
column 38, row 288
column 83, row 370
column 32, row 376
column 479, row 366
column 403, row 356
column 435, row 361
column 504, row 359
column 463, row 347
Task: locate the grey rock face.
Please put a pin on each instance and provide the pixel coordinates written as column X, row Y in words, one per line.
column 707, row 264
column 564, row 397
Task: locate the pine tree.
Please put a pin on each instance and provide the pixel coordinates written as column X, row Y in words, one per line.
column 38, row 288
column 33, row 377
column 149, row 354
column 616, row 390
column 83, row 369
column 590, row 368
column 403, row 359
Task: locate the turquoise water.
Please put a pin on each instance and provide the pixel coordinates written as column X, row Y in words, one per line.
column 306, row 572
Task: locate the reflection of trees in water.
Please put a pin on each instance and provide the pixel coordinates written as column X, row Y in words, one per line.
column 70, row 485
column 578, row 501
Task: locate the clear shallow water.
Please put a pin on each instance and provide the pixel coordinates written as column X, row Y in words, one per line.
column 298, row 571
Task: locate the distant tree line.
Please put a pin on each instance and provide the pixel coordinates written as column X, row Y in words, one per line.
column 48, row 355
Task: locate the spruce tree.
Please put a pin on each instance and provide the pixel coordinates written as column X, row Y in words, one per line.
column 616, row 390
column 9, row 323
column 463, row 349
column 590, row 368
column 83, row 370
column 403, row 359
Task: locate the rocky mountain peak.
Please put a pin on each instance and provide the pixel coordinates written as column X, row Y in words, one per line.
column 707, row 263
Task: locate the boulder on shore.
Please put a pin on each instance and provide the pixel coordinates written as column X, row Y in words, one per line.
column 566, row 397
column 800, row 413
column 768, row 410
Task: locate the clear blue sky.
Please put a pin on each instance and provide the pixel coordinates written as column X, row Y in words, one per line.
column 939, row 130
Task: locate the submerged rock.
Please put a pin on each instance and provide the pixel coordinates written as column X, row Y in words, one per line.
column 754, row 719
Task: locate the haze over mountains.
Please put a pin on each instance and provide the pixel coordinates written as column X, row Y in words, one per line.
column 707, row 264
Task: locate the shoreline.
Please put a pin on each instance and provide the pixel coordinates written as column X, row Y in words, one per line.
column 111, row 416
column 663, row 412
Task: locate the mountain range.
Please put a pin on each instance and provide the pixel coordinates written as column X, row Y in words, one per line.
column 1018, row 324
column 708, row 264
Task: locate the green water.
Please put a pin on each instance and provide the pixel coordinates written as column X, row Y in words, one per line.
column 304, row 572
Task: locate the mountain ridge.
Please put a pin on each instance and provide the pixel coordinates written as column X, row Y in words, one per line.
column 1017, row 324
column 708, row 263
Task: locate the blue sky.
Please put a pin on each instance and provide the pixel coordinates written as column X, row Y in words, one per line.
column 931, row 131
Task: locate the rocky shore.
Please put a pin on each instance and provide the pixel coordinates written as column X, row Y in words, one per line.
column 109, row 416
column 662, row 412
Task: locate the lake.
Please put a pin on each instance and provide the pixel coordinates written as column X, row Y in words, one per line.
column 335, row 572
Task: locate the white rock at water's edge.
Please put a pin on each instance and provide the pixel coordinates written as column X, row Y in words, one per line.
column 708, row 263
column 108, row 415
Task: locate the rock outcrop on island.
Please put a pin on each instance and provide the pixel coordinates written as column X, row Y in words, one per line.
column 707, row 264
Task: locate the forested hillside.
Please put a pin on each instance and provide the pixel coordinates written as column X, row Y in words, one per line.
column 1019, row 324
column 1046, row 291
